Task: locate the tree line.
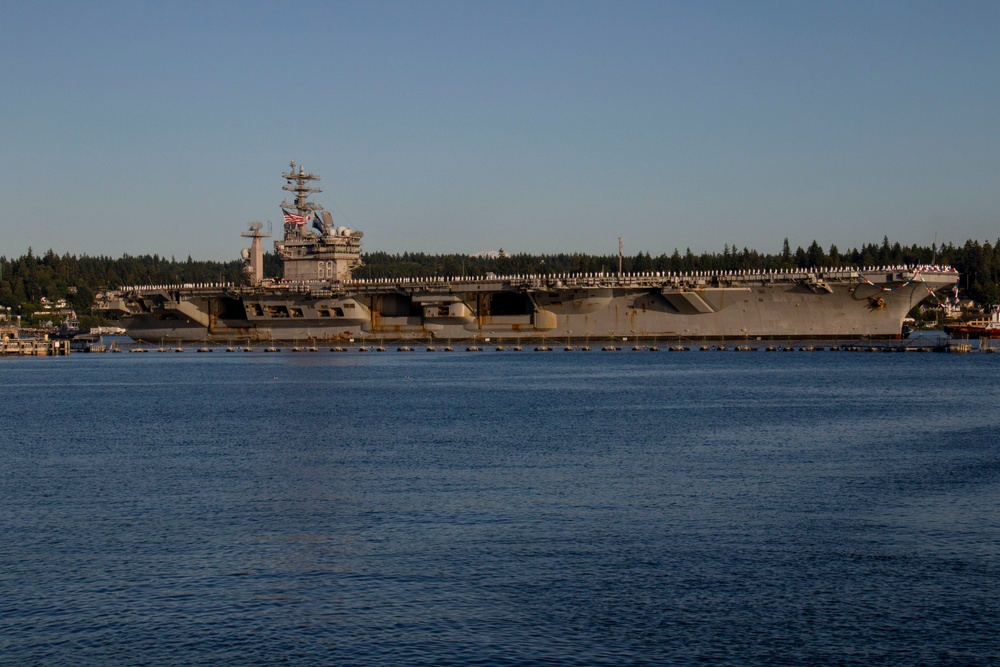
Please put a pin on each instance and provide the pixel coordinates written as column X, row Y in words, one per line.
column 24, row 281
column 979, row 263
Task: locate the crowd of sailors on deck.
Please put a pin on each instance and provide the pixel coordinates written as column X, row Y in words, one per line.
column 627, row 277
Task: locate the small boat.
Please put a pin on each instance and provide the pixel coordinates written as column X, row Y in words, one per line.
column 981, row 328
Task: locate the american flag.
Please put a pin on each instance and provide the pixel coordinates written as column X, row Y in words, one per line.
column 293, row 218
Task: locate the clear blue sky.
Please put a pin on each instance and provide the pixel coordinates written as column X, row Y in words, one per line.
column 542, row 127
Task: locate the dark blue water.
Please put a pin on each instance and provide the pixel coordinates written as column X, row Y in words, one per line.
column 600, row 508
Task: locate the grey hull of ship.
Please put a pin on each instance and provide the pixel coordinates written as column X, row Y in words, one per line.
column 750, row 310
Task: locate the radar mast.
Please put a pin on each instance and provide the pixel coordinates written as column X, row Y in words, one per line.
column 254, row 255
column 297, row 182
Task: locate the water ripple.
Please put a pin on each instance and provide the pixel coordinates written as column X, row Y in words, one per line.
column 573, row 510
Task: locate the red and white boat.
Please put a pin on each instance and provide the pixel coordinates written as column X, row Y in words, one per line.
column 982, row 328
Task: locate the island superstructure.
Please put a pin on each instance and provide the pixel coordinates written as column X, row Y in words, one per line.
column 318, row 298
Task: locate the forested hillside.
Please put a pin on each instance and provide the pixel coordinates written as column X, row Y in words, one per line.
column 979, row 263
column 26, row 280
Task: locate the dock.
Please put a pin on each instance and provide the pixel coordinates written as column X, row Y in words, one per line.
column 33, row 347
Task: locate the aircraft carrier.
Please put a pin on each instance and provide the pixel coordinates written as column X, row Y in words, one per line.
column 319, row 299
